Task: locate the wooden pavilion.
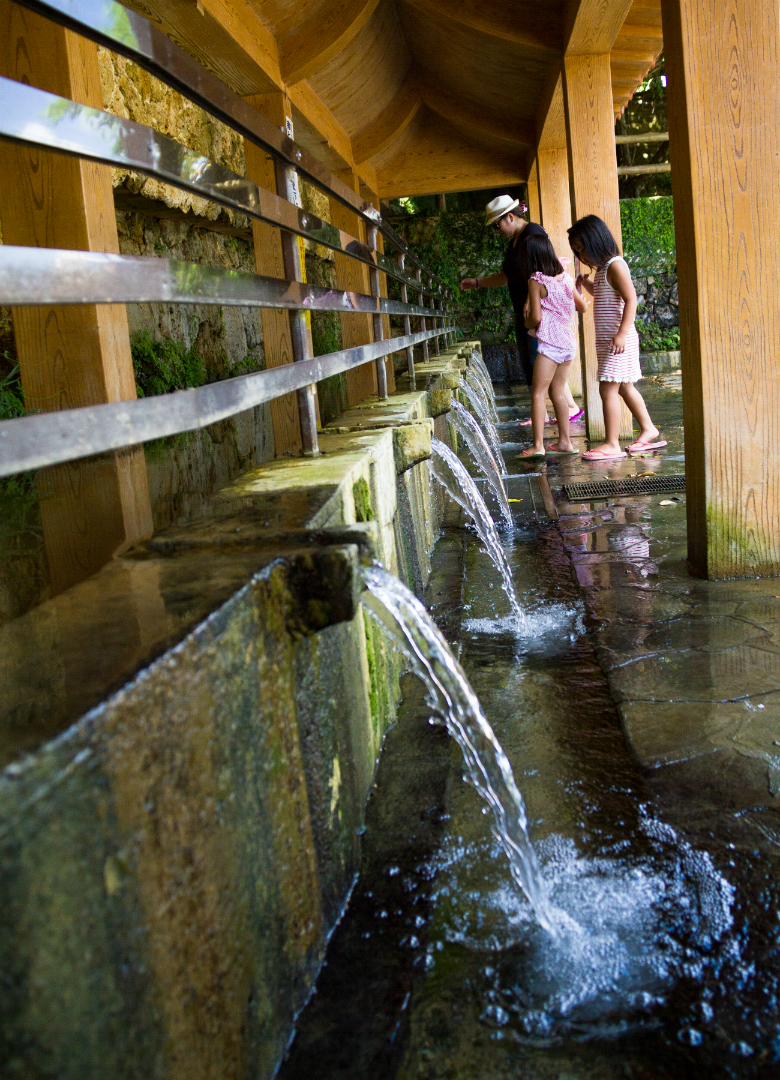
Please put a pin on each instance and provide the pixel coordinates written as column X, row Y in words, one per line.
column 405, row 97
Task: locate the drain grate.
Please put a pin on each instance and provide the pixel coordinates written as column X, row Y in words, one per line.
column 626, row 485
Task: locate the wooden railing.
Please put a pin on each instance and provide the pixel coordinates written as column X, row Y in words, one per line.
column 42, row 276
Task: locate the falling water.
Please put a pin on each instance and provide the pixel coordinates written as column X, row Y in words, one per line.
column 476, row 401
column 471, row 432
column 452, row 475
column 473, row 378
column 479, row 365
column 453, row 699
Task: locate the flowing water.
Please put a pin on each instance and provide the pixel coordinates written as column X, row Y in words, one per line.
column 662, row 886
column 455, row 704
column 449, row 471
column 475, row 375
column 472, row 435
column 476, row 400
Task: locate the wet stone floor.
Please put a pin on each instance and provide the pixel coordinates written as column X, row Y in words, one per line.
column 637, row 709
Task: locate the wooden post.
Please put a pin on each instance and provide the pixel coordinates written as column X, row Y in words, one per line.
column 590, row 133
column 553, row 168
column 354, row 277
column 532, row 187
column 722, row 63
column 70, row 356
column 269, row 260
column 380, row 245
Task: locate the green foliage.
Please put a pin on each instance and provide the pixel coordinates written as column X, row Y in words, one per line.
column 19, row 514
column 11, row 395
column 654, row 338
column 645, row 112
column 164, row 365
column 648, row 233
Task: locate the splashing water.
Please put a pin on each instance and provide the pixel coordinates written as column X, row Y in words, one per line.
column 451, row 474
column 456, row 704
column 476, row 401
column 479, row 365
column 472, row 435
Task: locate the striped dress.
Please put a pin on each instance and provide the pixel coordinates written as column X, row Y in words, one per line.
column 607, row 314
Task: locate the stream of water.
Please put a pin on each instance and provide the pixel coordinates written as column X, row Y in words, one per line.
column 473, row 436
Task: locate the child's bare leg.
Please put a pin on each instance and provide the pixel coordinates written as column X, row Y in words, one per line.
column 610, row 402
column 558, row 388
column 544, row 370
column 571, row 404
column 648, row 432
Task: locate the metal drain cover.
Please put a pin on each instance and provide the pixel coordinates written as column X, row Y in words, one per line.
column 626, row 485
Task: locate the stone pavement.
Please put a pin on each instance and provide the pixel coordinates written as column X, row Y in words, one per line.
column 694, row 666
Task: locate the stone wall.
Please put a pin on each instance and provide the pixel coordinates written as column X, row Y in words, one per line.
column 657, row 296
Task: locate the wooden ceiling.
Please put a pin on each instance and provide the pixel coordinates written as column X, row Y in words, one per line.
column 417, row 96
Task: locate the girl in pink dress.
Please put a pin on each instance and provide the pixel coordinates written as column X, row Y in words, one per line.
column 617, row 342
column 549, row 312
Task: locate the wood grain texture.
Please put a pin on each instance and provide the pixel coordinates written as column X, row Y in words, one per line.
column 523, row 24
column 462, row 114
column 594, row 190
column 553, row 172
column 532, row 189
column 723, row 60
column 312, row 43
column 353, row 276
column 595, row 26
column 318, row 130
column 269, row 260
column 390, row 123
column 551, row 119
column 70, row 356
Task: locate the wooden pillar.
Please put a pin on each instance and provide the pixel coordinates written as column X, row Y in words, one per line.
column 380, row 243
column 70, row 356
column 553, row 168
column 269, row 260
column 532, row 188
column 353, row 277
column 590, row 133
column 722, row 65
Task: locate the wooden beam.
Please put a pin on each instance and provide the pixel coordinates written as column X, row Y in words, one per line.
column 551, row 121
column 724, row 130
column 226, row 36
column 532, row 189
column 353, row 276
column 314, row 42
column 317, row 130
column 553, row 171
column 461, row 113
column 70, row 356
column 594, row 187
column 594, row 26
column 526, row 25
column 390, row 123
column 269, row 261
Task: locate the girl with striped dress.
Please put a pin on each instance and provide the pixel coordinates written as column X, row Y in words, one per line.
column 549, row 312
column 617, row 342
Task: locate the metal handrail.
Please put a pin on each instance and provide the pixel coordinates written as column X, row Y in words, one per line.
column 51, row 438
column 48, row 276
column 131, row 35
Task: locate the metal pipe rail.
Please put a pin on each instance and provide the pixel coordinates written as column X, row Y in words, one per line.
column 31, row 442
column 34, row 117
column 131, row 35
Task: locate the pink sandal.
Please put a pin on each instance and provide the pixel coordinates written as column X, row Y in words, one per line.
column 639, row 447
column 598, row 455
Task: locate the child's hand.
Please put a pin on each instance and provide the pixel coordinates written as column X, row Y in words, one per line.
column 527, row 308
column 582, row 279
column 618, row 343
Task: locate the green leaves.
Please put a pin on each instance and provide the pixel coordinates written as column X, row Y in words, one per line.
column 648, row 233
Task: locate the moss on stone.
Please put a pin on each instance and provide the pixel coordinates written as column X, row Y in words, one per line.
column 362, row 498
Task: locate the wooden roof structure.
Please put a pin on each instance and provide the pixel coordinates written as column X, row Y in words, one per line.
column 416, row 97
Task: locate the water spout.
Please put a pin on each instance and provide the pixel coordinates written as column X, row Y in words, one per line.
column 452, row 475
column 458, row 707
column 476, row 400
column 473, row 436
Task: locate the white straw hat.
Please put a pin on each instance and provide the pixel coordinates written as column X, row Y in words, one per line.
column 499, row 206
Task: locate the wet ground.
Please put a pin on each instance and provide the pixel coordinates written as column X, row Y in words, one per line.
column 637, row 708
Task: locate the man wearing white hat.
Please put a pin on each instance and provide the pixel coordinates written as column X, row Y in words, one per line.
column 502, row 214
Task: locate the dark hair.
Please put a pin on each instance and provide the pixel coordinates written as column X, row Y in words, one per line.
column 599, row 243
column 537, row 256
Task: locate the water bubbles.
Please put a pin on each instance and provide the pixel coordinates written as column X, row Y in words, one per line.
column 495, row 1015
column 690, row 1036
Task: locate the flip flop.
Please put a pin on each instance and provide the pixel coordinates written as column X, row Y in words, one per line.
column 529, row 422
column 577, row 416
column 594, row 455
column 561, row 453
column 639, row 447
column 533, row 454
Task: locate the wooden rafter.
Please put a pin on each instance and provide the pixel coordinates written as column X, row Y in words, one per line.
column 458, row 112
column 314, row 42
column 521, row 24
column 390, row 123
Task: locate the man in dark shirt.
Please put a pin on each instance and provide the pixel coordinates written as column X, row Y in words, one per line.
column 503, row 215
